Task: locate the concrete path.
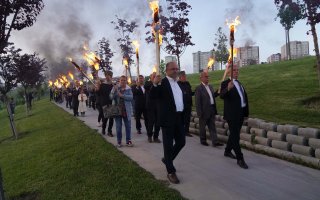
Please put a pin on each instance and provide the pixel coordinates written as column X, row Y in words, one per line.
column 206, row 174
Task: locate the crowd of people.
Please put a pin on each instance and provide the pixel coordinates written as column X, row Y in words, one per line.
column 166, row 104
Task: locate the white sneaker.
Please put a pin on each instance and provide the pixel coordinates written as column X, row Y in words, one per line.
column 99, row 124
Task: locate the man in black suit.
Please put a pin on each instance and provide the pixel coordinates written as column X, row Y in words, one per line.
column 103, row 89
column 236, row 108
column 75, row 100
column 152, row 107
column 139, row 95
column 171, row 114
column 206, row 110
column 187, row 95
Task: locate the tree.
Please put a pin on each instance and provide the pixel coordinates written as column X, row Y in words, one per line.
column 8, row 75
column 29, row 70
column 162, row 67
column 288, row 17
column 310, row 10
column 174, row 28
column 16, row 15
column 125, row 30
column 105, row 54
column 221, row 51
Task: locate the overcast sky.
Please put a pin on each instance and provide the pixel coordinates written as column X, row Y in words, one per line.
column 64, row 25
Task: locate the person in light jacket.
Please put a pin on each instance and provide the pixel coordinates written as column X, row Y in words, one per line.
column 82, row 97
column 122, row 96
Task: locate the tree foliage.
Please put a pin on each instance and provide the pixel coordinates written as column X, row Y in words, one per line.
column 105, row 54
column 174, row 28
column 221, row 48
column 16, row 15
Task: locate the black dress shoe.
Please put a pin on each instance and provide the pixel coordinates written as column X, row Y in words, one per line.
column 189, row 135
column 230, row 155
column 163, row 161
column 242, row 164
column 150, row 139
column 173, row 178
column 204, row 143
column 156, row 140
column 217, row 144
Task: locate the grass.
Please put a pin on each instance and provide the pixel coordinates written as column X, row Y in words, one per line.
column 285, row 93
column 58, row 157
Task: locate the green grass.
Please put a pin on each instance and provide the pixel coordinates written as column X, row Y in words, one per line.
column 277, row 92
column 58, row 157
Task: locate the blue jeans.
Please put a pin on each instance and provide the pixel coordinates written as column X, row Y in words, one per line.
column 127, row 124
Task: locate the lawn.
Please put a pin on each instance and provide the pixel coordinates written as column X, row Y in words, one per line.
column 58, row 157
column 277, row 92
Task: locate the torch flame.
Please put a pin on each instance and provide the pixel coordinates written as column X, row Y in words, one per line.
column 80, row 82
column 154, row 6
column 210, row 63
column 70, row 59
column 125, row 62
column 235, row 51
column 136, row 45
column 233, row 24
column 129, row 80
column 92, row 60
column 71, row 75
column 50, row 83
column 154, row 69
column 90, row 76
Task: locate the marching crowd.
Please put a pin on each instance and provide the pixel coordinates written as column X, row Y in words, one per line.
column 166, row 104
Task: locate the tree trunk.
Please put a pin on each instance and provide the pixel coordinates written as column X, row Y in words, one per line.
column 289, row 44
column 178, row 58
column 286, row 44
column 1, row 187
column 316, row 49
column 221, row 65
column 27, row 101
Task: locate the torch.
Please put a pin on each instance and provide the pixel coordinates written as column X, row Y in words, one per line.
column 80, row 70
column 126, row 65
column 210, row 63
column 232, row 27
column 154, row 6
column 137, row 45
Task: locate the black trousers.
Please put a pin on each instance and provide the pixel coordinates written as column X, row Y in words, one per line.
column 153, row 127
column 75, row 105
column 99, row 107
column 138, row 113
column 104, row 124
column 174, row 139
column 234, row 137
column 187, row 116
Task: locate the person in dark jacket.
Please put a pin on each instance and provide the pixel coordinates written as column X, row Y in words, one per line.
column 75, row 100
column 236, row 108
column 187, row 95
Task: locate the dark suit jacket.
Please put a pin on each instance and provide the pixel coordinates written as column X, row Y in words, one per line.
column 187, row 93
column 167, row 111
column 232, row 102
column 203, row 102
column 139, row 97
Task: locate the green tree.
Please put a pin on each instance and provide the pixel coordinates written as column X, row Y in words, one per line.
column 221, row 50
column 162, row 67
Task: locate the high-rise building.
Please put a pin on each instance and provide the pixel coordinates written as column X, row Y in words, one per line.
column 201, row 59
column 248, row 55
column 298, row 49
column 170, row 59
column 274, row 58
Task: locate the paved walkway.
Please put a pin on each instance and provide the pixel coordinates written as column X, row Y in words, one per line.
column 206, row 174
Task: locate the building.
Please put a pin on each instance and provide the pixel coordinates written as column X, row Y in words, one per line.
column 201, row 59
column 170, row 59
column 274, row 58
column 298, row 49
column 248, row 55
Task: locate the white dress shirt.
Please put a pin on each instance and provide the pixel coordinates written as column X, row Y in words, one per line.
column 209, row 92
column 177, row 94
column 142, row 88
column 241, row 92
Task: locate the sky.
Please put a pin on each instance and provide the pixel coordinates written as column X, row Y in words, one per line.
column 63, row 26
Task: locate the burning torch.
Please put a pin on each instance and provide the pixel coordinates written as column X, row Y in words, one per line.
column 126, row 65
column 80, row 70
column 210, row 63
column 154, row 6
column 137, row 45
column 232, row 27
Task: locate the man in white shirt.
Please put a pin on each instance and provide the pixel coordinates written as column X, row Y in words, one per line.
column 171, row 116
column 206, row 110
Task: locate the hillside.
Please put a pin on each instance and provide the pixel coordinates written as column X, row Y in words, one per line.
column 278, row 92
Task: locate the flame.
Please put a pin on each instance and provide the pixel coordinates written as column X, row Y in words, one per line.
column 154, row 6
column 56, row 83
column 80, row 82
column 90, row 76
column 71, row 75
column 67, row 84
column 61, row 80
column 85, row 47
column 92, row 60
column 136, row 45
column 70, row 59
column 64, row 78
column 154, row 69
column 210, row 63
column 125, row 62
column 50, row 83
column 129, row 80
column 235, row 51
column 160, row 39
column 233, row 24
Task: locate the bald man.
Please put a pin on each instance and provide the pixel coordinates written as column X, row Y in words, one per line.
column 206, row 107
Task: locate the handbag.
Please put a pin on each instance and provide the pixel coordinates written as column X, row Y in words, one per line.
column 111, row 111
